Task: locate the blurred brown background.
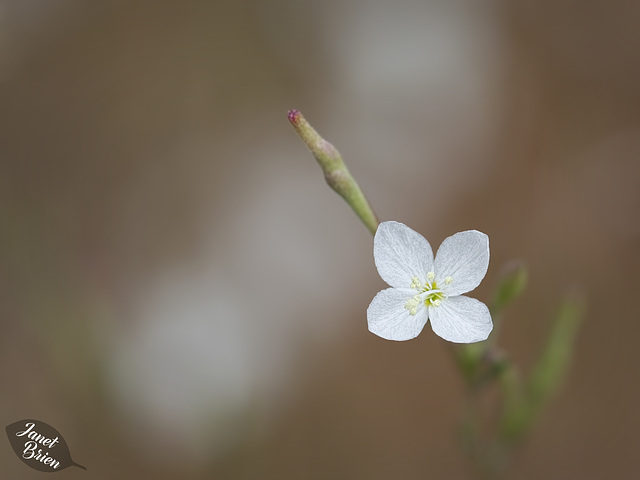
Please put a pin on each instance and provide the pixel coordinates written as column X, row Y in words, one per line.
column 182, row 296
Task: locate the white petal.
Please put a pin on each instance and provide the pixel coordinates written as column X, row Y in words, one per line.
column 465, row 258
column 401, row 253
column 388, row 318
column 461, row 320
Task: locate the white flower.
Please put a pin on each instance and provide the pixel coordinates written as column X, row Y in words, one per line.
column 427, row 289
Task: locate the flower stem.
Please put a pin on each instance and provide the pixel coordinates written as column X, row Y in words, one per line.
column 522, row 411
column 335, row 171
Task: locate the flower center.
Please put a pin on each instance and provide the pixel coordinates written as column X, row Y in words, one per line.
column 428, row 293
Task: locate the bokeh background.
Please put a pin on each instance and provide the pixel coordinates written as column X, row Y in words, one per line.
column 182, row 296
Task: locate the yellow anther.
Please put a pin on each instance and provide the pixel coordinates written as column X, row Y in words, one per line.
column 431, row 276
column 412, row 305
column 448, row 280
column 415, row 283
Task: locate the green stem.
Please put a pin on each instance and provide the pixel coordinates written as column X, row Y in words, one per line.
column 521, row 413
column 335, row 171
